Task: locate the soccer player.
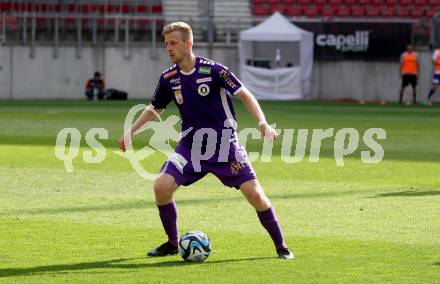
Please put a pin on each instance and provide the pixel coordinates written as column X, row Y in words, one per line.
column 201, row 89
column 436, row 76
column 409, row 70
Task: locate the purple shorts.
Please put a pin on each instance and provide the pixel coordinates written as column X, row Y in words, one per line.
column 232, row 173
column 436, row 79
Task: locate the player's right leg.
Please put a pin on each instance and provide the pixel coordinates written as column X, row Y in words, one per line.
column 431, row 92
column 164, row 187
column 176, row 171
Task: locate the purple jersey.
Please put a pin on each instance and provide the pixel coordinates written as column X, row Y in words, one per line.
column 202, row 96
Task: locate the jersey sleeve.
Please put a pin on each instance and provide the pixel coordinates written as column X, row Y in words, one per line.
column 161, row 97
column 227, row 79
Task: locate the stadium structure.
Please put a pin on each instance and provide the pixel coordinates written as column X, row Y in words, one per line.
column 50, row 48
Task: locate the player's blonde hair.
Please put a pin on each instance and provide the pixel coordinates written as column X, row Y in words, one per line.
column 184, row 29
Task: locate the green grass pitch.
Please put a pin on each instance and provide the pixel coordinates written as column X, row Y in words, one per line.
column 359, row 223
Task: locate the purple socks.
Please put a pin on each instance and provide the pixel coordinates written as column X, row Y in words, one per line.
column 168, row 216
column 269, row 221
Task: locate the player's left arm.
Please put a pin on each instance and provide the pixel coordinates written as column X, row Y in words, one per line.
column 255, row 110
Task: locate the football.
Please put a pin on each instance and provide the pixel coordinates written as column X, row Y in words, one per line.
column 195, row 246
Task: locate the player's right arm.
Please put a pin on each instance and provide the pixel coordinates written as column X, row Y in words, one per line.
column 159, row 101
column 146, row 116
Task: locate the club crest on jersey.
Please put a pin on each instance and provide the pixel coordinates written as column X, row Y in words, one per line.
column 169, row 74
column 205, row 70
column 178, row 96
column 203, row 90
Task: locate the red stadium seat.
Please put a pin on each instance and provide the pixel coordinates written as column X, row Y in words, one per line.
column 276, row 7
column 377, row 2
column 84, row 8
column 418, row 11
column 125, row 9
column 320, row 2
column 289, row 2
column 343, row 11
column 259, row 10
column 392, row 1
column 305, row 1
column 257, row 2
column 420, row 2
column 335, row 2
column 365, row 2
column 432, row 10
column 273, row 2
column 71, row 8
column 328, row 11
column 319, row 7
column 358, row 11
column 57, row 7
column 350, row 1
column 4, row 7
column 434, row 2
column 156, row 9
column 387, row 11
column 293, row 11
column 311, row 11
column 406, row 2
column 141, row 9
column 403, row 11
column 373, row 11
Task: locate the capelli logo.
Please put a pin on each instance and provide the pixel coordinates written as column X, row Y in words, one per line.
column 357, row 42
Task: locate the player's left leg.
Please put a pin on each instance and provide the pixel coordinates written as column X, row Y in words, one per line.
column 254, row 193
column 414, row 88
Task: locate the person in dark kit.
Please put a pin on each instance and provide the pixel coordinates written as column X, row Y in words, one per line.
column 96, row 83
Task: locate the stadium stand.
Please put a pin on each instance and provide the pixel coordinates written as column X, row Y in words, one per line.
column 420, row 11
column 424, row 9
column 227, row 31
column 87, row 9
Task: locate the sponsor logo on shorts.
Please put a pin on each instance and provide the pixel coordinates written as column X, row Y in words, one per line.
column 203, row 90
column 177, row 87
column 237, row 166
column 169, row 74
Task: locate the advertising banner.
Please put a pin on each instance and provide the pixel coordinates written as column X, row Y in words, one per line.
column 359, row 41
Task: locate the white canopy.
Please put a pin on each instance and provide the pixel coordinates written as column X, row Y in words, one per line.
column 276, row 59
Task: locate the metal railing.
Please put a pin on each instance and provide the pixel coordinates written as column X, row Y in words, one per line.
column 119, row 29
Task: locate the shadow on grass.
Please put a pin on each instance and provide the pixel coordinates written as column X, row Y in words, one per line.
column 110, row 264
column 142, row 204
column 409, row 193
column 436, row 263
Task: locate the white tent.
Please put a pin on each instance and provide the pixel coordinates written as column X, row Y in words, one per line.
column 276, row 59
